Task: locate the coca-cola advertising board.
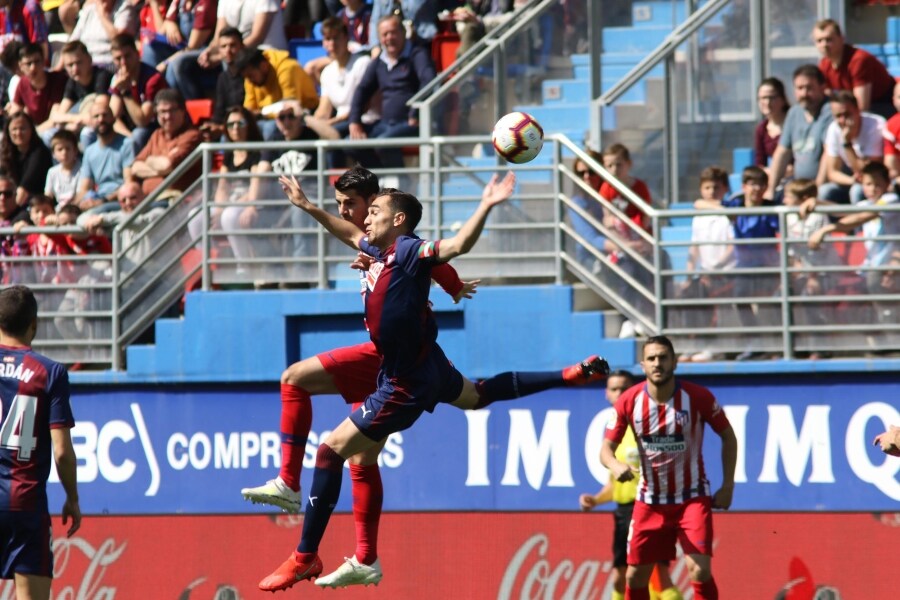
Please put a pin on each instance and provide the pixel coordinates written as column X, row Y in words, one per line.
column 534, row 556
column 804, row 445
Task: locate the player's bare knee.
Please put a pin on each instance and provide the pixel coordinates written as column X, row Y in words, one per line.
column 301, row 373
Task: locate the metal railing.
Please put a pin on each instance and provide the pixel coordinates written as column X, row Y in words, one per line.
column 492, row 46
column 160, row 252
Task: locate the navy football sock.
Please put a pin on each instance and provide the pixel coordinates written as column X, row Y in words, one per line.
column 323, row 495
column 515, row 384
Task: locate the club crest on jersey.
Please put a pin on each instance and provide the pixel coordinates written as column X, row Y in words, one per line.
column 426, row 250
column 390, row 258
column 682, row 417
column 373, row 273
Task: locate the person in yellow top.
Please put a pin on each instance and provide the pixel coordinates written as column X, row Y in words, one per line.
column 270, row 77
column 623, row 494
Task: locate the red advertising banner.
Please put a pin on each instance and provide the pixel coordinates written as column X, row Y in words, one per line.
column 467, row 555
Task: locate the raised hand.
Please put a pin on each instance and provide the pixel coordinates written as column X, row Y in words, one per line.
column 496, row 191
column 295, row 194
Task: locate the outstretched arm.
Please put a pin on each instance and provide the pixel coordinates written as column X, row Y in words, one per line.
column 462, row 242
column 345, row 231
column 446, row 276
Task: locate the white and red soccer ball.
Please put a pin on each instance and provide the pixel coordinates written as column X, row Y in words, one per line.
column 518, row 137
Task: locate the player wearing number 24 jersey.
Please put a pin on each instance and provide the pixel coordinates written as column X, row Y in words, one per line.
column 35, row 418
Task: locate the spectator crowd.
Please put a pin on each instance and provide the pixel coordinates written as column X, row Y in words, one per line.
column 103, row 120
column 837, row 144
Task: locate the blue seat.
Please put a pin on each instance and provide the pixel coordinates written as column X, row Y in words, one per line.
column 892, row 28
column 740, row 158
column 305, row 49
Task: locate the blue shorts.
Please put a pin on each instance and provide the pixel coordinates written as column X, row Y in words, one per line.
column 25, row 544
column 398, row 402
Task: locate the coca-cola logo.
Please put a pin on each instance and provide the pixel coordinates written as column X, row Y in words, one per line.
column 66, row 550
column 530, row 575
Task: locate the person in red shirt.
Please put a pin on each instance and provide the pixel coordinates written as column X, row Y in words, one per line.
column 39, row 90
column 668, row 417
column 88, row 295
column 627, row 222
column 847, row 67
column 892, row 138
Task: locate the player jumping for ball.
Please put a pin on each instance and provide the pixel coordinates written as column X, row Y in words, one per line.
column 352, row 372
column 414, row 375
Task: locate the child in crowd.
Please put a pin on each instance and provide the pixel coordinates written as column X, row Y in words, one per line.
column 87, row 273
column 617, row 160
column 41, row 244
column 875, row 182
column 754, row 182
column 800, row 227
column 709, row 255
column 63, row 177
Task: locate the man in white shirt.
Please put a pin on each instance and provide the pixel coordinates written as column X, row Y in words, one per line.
column 99, row 22
column 853, row 140
column 339, row 80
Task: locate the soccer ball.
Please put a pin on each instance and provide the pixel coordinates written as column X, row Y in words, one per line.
column 518, row 137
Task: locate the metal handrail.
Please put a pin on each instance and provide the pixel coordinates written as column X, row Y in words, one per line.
column 492, row 45
column 482, row 49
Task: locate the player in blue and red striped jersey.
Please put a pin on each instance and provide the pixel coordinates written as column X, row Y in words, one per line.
column 673, row 502
column 352, row 372
column 414, row 375
column 35, row 418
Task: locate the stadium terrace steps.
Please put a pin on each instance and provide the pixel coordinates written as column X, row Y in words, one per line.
column 503, row 328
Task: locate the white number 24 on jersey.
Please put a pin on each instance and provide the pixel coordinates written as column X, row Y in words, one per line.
column 20, row 418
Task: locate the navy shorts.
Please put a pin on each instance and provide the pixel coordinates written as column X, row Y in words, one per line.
column 398, row 402
column 25, row 544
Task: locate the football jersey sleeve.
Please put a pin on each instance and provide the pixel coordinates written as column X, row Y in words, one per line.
column 368, row 248
column 616, row 428
column 58, row 395
column 710, row 410
column 412, row 253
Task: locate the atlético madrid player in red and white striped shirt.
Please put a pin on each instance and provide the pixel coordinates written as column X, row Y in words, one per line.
column 668, row 417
